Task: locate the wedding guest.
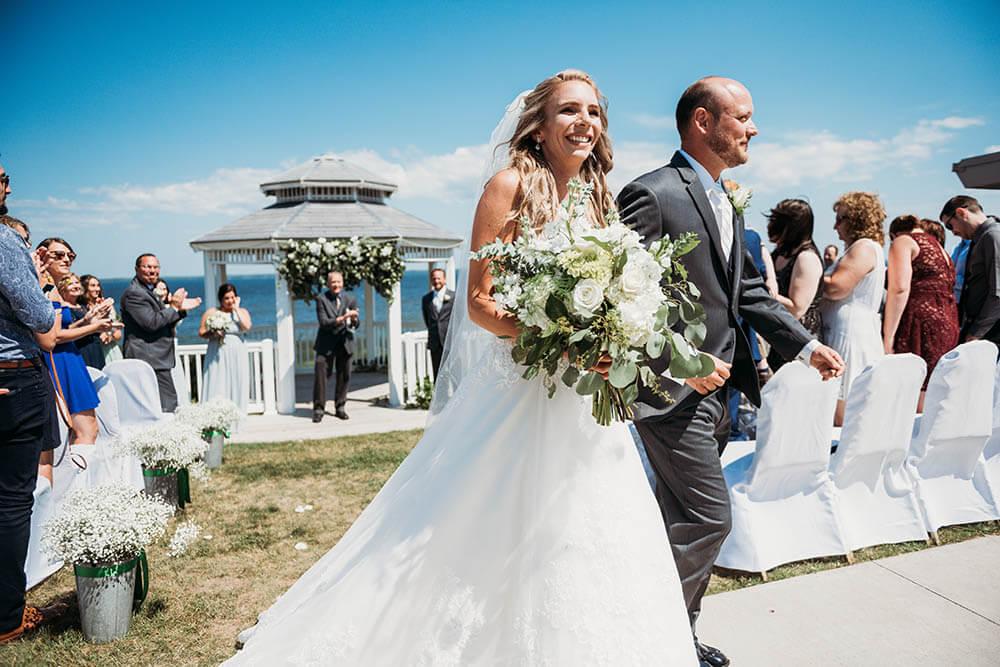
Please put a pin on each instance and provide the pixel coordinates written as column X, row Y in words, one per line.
column 436, row 308
column 958, row 259
column 162, row 291
column 149, row 325
column 853, row 288
column 67, row 365
column 830, row 254
column 94, row 293
column 18, row 226
column 28, row 326
column 979, row 307
column 227, row 364
column 920, row 312
column 71, row 293
column 337, row 314
column 797, row 265
column 4, row 190
column 61, row 253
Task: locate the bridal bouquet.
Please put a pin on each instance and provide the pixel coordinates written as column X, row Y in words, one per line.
column 582, row 290
column 217, row 324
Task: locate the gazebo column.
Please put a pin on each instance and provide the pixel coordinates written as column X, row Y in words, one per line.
column 449, row 270
column 395, row 334
column 212, row 281
column 369, row 329
column 285, row 324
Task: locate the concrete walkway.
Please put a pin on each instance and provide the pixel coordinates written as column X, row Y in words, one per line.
column 936, row 607
column 365, row 415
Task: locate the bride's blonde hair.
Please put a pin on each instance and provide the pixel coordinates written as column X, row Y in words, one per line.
column 538, row 198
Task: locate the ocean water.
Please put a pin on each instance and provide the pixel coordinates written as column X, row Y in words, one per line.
column 257, row 295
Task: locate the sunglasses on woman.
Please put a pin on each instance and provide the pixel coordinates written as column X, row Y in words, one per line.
column 60, row 255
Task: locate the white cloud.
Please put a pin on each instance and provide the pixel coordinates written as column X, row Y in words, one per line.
column 654, row 122
column 448, row 177
column 995, row 148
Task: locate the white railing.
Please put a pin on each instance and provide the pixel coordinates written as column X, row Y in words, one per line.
column 371, row 348
column 262, row 386
column 416, row 361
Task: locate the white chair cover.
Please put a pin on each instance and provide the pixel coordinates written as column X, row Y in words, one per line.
column 108, row 423
column 992, row 451
column 946, row 456
column 782, row 496
column 876, row 502
column 39, row 566
column 136, row 390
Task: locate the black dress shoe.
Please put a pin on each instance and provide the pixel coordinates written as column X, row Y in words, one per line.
column 709, row 656
column 317, row 416
column 341, row 414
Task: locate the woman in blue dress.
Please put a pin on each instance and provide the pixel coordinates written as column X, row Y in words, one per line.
column 227, row 365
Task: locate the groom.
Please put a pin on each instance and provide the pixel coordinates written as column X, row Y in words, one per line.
column 683, row 439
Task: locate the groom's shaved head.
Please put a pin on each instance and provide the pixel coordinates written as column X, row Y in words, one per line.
column 711, row 93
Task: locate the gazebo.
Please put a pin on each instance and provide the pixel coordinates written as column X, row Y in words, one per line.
column 326, row 197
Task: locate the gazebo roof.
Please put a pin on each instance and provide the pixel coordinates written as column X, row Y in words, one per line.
column 327, row 197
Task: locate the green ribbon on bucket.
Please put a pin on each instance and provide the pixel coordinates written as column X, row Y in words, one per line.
column 183, row 487
column 141, row 577
column 209, row 432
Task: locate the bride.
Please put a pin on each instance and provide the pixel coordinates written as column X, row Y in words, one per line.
column 518, row 531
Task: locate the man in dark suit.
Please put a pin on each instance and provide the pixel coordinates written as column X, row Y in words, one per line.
column 150, row 324
column 436, row 307
column 337, row 314
column 683, row 439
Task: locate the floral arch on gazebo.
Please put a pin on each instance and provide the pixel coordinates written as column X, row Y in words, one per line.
column 331, row 199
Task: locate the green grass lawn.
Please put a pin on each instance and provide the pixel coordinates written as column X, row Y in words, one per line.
column 198, row 603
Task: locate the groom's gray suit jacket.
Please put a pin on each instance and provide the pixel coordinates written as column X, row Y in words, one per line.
column 669, row 202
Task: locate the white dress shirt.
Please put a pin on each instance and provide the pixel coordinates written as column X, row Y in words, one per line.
column 438, row 299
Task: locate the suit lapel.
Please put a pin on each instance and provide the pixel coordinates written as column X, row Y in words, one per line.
column 697, row 193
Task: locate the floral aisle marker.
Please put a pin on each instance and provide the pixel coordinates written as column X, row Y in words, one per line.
column 305, row 263
column 583, row 290
column 215, row 420
column 104, row 531
column 171, row 452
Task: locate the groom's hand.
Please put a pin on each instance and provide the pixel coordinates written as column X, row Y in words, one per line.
column 711, row 382
column 827, row 362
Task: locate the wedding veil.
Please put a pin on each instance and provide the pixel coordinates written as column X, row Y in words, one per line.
column 466, row 344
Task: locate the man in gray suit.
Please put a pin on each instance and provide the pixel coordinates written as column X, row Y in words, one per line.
column 337, row 314
column 150, row 324
column 436, row 309
column 683, row 439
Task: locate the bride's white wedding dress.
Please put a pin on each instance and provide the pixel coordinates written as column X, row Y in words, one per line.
column 517, row 532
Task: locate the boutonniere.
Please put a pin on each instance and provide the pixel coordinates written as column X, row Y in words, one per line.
column 446, row 298
column 739, row 196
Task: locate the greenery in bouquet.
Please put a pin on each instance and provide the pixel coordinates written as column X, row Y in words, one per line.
column 166, row 445
column 583, row 290
column 217, row 415
column 105, row 525
column 305, row 263
column 217, row 324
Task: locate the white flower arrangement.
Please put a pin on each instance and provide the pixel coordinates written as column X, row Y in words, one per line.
column 105, row 524
column 217, row 324
column 218, row 414
column 185, row 535
column 165, row 445
column 304, row 264
column 582, row 290
column 739, row 196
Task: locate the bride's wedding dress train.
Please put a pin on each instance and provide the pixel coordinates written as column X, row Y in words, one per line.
column 517, row 532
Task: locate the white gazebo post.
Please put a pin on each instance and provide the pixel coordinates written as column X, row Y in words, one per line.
column 450, row 270
column 395, row 326
column 212, row 281
column 369, row 320
column 285, row 324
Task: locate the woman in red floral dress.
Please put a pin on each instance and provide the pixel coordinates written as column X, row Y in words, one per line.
column 920, row 311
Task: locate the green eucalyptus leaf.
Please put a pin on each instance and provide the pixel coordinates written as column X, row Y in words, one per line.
column 570, row 376
column 696, row 332
column 589, row 383
column 686, row 367
column 655, row 345
column 680, row 346
column 578, row 336
column 707, row 365
column 530, row 373
column 630, row 393
column 622, row 374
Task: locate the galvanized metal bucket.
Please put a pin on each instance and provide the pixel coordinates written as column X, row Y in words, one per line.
column 162, row 483
column 107, row 595
column 216, row 440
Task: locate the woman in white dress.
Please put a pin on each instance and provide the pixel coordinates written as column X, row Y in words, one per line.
column 518, row 531
column 853, row 288
column 227, row 365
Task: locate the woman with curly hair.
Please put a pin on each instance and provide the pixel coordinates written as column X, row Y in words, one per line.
column 853, row 288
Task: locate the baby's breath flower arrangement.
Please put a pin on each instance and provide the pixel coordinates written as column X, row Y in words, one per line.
column 185, row 535
column 218, row 415
column 305, row 263
column 165, row 445
column 581, row 290
column 105, row 524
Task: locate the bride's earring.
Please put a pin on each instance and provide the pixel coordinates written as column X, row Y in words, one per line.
column 538, row 145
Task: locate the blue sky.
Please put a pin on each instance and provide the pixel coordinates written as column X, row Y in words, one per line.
column 128, row 128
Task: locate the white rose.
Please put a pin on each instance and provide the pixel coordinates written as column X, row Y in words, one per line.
column 588, row 295
column 633, row 281
column 314, row 248
column 329, row 248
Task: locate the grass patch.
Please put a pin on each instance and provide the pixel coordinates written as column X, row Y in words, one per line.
column 197, row 604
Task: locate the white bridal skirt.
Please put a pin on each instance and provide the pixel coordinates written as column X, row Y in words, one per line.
column 517, row 532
